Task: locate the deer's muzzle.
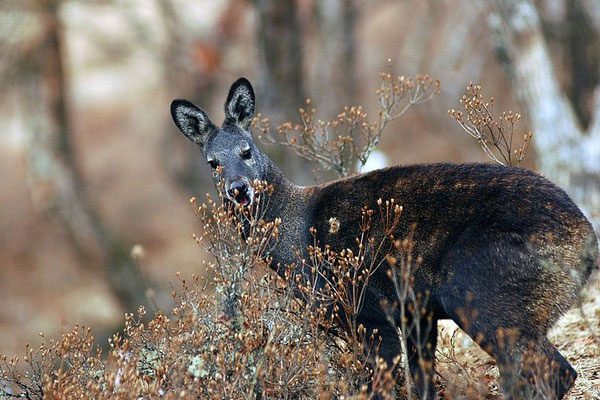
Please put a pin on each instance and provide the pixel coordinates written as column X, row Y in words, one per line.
column 241, row 192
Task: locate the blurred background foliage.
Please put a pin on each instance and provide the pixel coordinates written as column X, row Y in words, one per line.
column 92, row 165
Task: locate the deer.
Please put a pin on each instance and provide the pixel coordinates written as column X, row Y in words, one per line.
column 503, row 251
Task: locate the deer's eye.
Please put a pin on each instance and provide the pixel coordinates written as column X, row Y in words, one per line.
column 213, row 164
column 246, row 154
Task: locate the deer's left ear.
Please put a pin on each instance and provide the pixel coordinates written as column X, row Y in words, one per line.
column 239, row 107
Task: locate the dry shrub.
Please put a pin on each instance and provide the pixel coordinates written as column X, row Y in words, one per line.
column 497, row 135
column 339, row 144
column 258, row 338
column 464, row 367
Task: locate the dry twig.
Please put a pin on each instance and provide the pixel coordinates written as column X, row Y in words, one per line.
column 494, row 134
column 338, row 145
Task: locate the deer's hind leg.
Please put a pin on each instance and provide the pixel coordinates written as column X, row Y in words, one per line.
column 496, row 290
column 547, row 371
column 534, row 369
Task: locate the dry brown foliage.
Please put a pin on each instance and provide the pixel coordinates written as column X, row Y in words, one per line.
column 339, row 144
column 258, row 338
column 495, row 134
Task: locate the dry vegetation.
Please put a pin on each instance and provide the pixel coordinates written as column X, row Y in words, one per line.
column 257, row 338
column 338, row 145
column 495, row 135
column 269, row 338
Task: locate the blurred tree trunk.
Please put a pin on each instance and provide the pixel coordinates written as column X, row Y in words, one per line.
column 592, row 9
column 583, row 50
column 55, row 178
column 568, row 154
column 574, row 45
column 281, row 89
column 191, row 68
column 281, row 57
column 185, row 78
column 335, row 68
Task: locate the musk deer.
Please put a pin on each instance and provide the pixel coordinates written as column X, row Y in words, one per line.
column 503, row 251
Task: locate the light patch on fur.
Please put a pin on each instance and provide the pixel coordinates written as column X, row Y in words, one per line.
column 334, row 225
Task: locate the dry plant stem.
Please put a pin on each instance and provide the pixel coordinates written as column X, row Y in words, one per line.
column 451, row 356
column 403, row 287
column 338, row 145
column 346, row 275
column 233, row 249
column 494, row 134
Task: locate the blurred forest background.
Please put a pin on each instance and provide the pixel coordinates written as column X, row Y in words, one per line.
column 92, row 165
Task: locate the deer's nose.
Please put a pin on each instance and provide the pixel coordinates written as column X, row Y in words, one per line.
column 240, row 186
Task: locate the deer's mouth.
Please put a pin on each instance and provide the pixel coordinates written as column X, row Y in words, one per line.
column 243, row 200
column 242, row 197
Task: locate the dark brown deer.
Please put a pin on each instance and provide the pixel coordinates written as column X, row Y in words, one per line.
column 504, row 252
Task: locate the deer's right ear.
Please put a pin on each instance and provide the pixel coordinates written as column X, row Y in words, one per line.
column 191, row 121
column 239, row 107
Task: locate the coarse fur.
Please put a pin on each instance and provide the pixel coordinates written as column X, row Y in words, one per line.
column 503, row 251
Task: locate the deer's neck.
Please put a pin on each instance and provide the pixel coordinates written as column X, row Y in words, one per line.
column 288, row 202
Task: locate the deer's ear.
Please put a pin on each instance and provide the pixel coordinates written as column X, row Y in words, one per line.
column 191, row 121
column 239, row 107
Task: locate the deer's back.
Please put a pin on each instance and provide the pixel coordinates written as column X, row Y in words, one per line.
column 443, row 201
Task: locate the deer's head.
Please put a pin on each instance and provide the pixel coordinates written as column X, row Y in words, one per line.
column 229, row 150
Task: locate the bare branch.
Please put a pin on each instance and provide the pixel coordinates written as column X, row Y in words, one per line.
column 338, row 145
column 494, row 134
